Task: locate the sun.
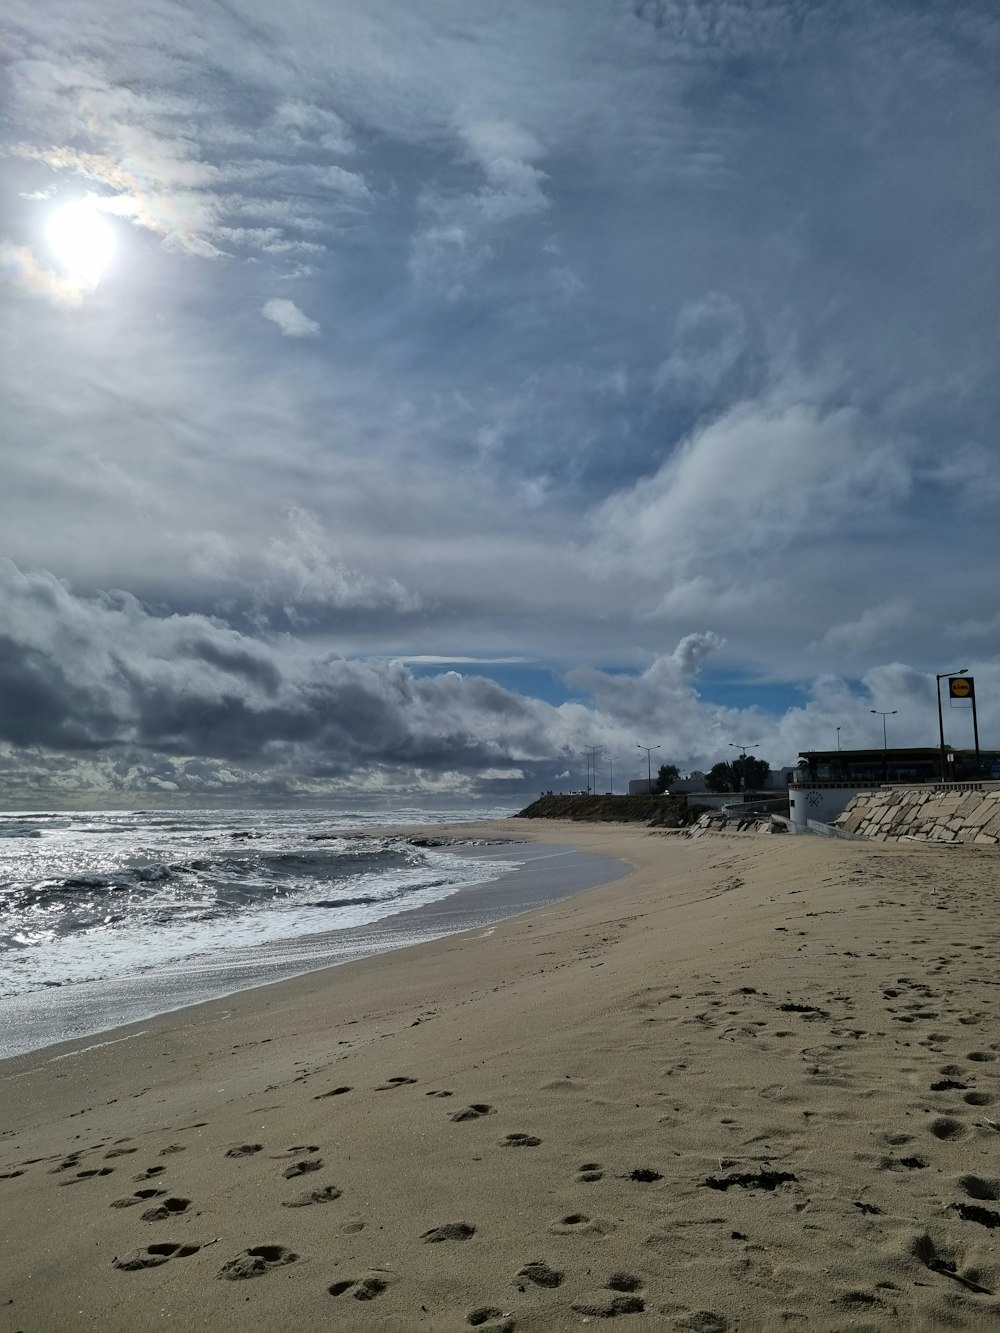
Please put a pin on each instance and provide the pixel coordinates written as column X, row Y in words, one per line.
column 82, row 241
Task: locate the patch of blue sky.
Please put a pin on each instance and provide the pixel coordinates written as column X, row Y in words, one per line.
column 528, row 678
column 725, row 688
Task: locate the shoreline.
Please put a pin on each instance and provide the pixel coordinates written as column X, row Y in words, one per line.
column 713, row 1092
column 55, row 1015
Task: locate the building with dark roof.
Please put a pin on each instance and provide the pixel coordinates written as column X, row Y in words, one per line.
column 916, row 764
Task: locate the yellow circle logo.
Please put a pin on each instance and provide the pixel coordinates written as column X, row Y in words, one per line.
column 959, row 687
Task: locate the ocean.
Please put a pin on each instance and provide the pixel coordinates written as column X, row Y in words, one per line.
column 111, row 916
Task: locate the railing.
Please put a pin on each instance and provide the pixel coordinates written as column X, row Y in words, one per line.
column 764, row 807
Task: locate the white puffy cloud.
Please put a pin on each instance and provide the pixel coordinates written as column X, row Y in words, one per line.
column 292, row 322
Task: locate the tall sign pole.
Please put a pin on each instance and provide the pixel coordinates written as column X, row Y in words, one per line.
column 949, row 676
column 964, row 687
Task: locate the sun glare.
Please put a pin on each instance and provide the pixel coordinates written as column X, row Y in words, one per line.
column 82, row 241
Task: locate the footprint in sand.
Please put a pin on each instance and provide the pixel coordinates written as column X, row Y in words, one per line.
column 244, row 1150
column 590, row 1171
column 295, row 1151
column 474, row 1112
column 978, row 1188
column 255, row 1262
column 979, row 1099
column 303, row 1168
column 325, row 1195
column 168, row 1208
column 140, row 1196
column 582, row 1224
column 66, row 1164
column 924, row 1249
column 704, row 1321
column 622, row 1281
column 334, row 1092
column 150, row 1173
column 491, row 1319
column 361, row 1288
column 539, row 1273
column 392, row 1083
column 520, row 1141
column 119, row 1152
column 88, row 1175
column 438, row 1093
column 944, row 1127
column 171, row 1148
column 901, row 1164
column 450, row 1231
column 617, row 1297
column 154, row 1255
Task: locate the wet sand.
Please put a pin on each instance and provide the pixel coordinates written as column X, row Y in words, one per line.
column 752, row 1085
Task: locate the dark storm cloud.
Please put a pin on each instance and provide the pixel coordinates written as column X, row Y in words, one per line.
column 100, row 697
column 99, row 674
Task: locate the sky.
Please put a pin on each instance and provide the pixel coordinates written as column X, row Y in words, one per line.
column 400, row 397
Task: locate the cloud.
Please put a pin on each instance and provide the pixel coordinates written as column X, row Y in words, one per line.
column 597, row 383
column 100, row 695
column 289, row 318
column 710, row 342
column 462, row 228
column 874, row 627
column 753, row 484
column 20, row 265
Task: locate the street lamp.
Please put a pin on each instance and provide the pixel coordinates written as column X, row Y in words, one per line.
column 649, row 765
column 883, row 716
column 611, row 766
column 838, row 740
column 743, row 761
column 943, row 675
column 885, row 743
column 592, row 751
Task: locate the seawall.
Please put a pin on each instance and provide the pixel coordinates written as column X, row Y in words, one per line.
column 967, row 813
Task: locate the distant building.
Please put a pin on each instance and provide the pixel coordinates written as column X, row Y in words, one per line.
column 826, row 780
column 920, row 764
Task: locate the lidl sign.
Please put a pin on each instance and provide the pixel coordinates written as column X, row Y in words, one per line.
column 961, row 687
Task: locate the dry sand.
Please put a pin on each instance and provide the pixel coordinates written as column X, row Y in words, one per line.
column 750, row 1086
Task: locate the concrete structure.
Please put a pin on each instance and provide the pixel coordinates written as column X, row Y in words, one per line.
column 950, row 812
column 822, row 801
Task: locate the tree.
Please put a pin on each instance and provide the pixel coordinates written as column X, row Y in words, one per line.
column 729, row 777
column 668, row 773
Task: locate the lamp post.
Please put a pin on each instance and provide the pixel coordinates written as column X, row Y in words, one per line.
column 592, row 751
column 743, row 761
column 649, row 765
column 943, row 675
column 838, row 740
column 885, row 742
column 611, row 766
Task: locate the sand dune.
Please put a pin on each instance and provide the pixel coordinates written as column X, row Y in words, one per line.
column 751, row 1086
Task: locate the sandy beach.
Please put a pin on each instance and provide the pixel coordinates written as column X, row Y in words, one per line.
column 752, row 1085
